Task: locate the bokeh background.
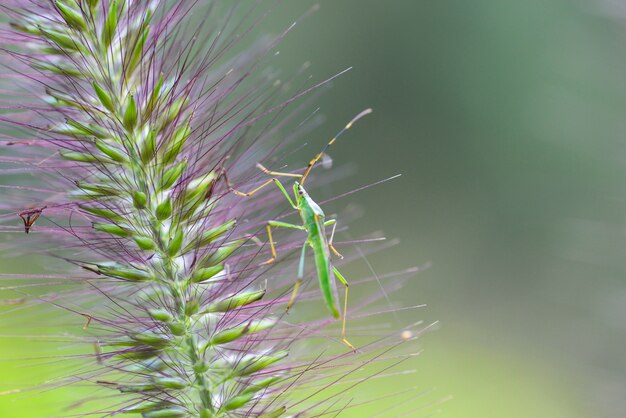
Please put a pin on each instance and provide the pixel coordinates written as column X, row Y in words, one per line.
column 506, row 120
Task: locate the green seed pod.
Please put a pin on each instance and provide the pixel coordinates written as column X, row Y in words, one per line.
column 126, row 273
column 249, row 393
column 147, row 366
column 139, row 355
column 111, row 229
column 152, row 339
column 234, row 302
column 232, row 334
column 238, row 401
column 198, row 187
column 144, row 243
column 110, row 24
column 82, row 129
column 114, row 153
column 95, row 267
column 190, row 207
column 160, row 315
column 211, row 235
column 139, row 200
column 124, row 342
column 173, row 412
column 154, row 97
column 262, row 384
column 203, row 274
column 65, row 129
column 63, row 40
column 148, row 147
column 100, row 189
column 102, row 212
column 178, row 328
column 70, row 3
column 275, row 413
column 25, row 28
column 176, row 143
column 172, row 174
column 191, row 307
column 199, row 204
column 221, row 253
column 104, row 97
column 51, row 50
column 164, row 209
column 86, row 195
column 58, row 102
column 137, row 388
column 130, row 114
column 146, row 407
column 137, row 53
column 59, row 99
column 176, row 243
column 71, row 16
column 171, row 382
column 79, row 157
column 58, row 68
column 254, row 364
column 173, row 111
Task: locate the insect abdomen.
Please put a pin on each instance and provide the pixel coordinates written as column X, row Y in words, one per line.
column 324, row 273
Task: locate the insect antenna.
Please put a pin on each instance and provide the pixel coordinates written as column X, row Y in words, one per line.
column 332, row 141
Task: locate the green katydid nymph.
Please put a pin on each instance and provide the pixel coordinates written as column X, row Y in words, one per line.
column 314, row 224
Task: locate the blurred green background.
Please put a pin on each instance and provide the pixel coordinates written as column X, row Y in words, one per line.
column 505, row 120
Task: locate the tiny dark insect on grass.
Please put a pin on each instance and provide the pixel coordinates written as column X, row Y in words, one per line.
column 314, row 224
column 30, row 216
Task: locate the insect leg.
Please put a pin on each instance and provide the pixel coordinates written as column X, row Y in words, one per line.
column 240, row 193
column 345, row 310
column 250, row 193
column 333, row 222
column 296, row 287
column 276, row 173
column 271, row 224
column 332, row 141
column 282, row 189
column 269, row 235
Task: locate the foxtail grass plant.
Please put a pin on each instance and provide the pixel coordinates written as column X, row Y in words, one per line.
column 124, row 123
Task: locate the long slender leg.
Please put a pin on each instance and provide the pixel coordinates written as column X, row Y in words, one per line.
column 332, row 141
column 345, row 309
column 276, row 173
column 271, row 224
column 253, row 191
column 282, row 189
column 269, row 235
column 333, row 222
column 250, row 193
column 296, row 287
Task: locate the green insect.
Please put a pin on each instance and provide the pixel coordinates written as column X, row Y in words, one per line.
column 314, row 224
